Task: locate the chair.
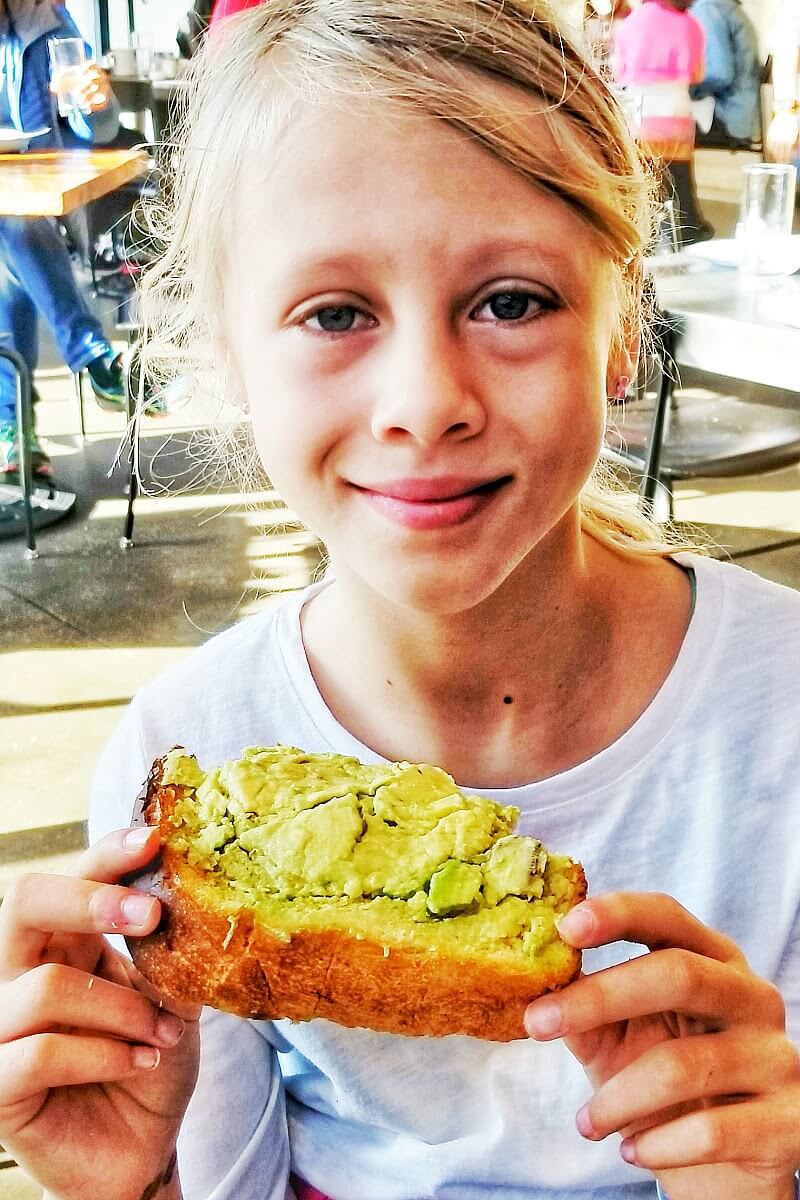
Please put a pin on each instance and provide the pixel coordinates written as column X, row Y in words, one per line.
column 27, row 505
column 673, row 438
column 24, row 435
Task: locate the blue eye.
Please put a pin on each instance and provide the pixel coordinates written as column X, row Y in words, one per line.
column 339, row 318
column 512, row 306
column 509, row 306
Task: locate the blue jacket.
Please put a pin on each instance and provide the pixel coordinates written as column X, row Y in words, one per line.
column 732, row 67
column 26, row 80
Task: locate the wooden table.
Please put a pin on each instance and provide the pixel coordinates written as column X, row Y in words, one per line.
column 53, row 183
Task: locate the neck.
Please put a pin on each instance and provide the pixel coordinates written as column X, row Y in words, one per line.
column 519, row 687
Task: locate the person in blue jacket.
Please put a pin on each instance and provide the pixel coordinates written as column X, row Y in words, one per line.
column 732, row 70
column 36, row 276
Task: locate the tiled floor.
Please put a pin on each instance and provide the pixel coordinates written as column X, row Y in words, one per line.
column 88, row 623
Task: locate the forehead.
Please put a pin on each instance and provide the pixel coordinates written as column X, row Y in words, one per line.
column 369, row 173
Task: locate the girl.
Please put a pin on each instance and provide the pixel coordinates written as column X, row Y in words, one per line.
column 657, row 56
column 407, row 239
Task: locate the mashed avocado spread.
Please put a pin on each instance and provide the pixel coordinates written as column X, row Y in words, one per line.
column 394, row 846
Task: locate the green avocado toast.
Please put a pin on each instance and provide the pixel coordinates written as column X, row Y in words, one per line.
column 312, row 885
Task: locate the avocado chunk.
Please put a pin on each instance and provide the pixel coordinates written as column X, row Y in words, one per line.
column 514, row 867
column 182, row 769
column 454, row 887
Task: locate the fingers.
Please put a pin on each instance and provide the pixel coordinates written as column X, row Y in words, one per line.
column 49, row 1060
column 95, row 86
column 652, row 919
column 762, row 1134
column 118, row 854
column 38, row 906
column 57, row 996
column 669, row 981
column 689, row 1070
column 96, row 97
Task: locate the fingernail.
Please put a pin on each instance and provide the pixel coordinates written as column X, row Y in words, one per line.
column 146, row 1058
column 584, row 1123
column 577, row 925
column 544, row 1020
column 169, row 1028
column 628, row 1151
column 137, row 909
column 135, row 838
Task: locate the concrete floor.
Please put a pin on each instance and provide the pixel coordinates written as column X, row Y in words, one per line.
column 88, row 623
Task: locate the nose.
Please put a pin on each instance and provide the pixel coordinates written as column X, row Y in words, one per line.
column 426, row 391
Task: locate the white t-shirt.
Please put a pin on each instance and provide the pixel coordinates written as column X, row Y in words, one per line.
column 700, row 798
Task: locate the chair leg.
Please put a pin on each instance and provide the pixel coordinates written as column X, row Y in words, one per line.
column 24, row 435
column 126, row 541
column 652, row 469
column 78, row 377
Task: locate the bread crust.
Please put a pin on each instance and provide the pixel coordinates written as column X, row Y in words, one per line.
column 198, row 955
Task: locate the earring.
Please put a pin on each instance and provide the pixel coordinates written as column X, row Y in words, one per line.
column 621, row 390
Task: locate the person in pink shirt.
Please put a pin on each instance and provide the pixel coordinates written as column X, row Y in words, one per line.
column 658, row 54
column 226, row 8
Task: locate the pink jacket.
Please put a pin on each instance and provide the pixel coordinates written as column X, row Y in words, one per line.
column 658, row 44
column 226, row 8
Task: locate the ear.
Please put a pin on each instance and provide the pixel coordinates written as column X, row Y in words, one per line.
column 623, row 364
column 229, row 374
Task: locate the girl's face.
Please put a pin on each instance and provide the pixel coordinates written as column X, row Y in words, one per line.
column 423, row 339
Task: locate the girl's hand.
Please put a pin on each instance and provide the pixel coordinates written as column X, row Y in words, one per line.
column 95, row 1075
column 687, row 1050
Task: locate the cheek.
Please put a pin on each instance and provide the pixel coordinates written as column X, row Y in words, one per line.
column 295, row 427
column 563, row 410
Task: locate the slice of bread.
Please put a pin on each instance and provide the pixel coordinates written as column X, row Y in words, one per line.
column 311, row 885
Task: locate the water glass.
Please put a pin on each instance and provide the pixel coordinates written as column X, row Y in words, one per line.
column 142, row 45
column 67, row 63
column 765, row 222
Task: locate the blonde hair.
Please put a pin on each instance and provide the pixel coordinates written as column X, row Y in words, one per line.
column 432, row 55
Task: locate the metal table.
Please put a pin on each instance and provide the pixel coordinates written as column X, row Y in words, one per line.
column 722, row 322
column 745, row 327
column 139, row 94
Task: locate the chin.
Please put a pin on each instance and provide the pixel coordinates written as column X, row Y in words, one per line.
column 436, row 589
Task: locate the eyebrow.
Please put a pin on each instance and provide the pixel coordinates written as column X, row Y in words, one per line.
column 500, row 246
column 473, row 259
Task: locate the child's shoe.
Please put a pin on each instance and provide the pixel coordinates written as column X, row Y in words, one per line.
column 107, row 377
column 9, row 455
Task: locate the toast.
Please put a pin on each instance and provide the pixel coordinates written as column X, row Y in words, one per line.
column 299, row 885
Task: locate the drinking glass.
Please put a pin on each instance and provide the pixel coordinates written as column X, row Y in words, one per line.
column 765, row 222
column 67, row 62
column 142, row 45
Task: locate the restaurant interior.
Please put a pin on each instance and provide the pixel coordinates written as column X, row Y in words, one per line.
column 104, row 583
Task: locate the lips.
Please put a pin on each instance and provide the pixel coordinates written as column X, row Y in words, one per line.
column 432, row 503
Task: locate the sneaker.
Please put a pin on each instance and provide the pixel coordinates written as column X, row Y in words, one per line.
column 107, row 377
column 9, row 455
